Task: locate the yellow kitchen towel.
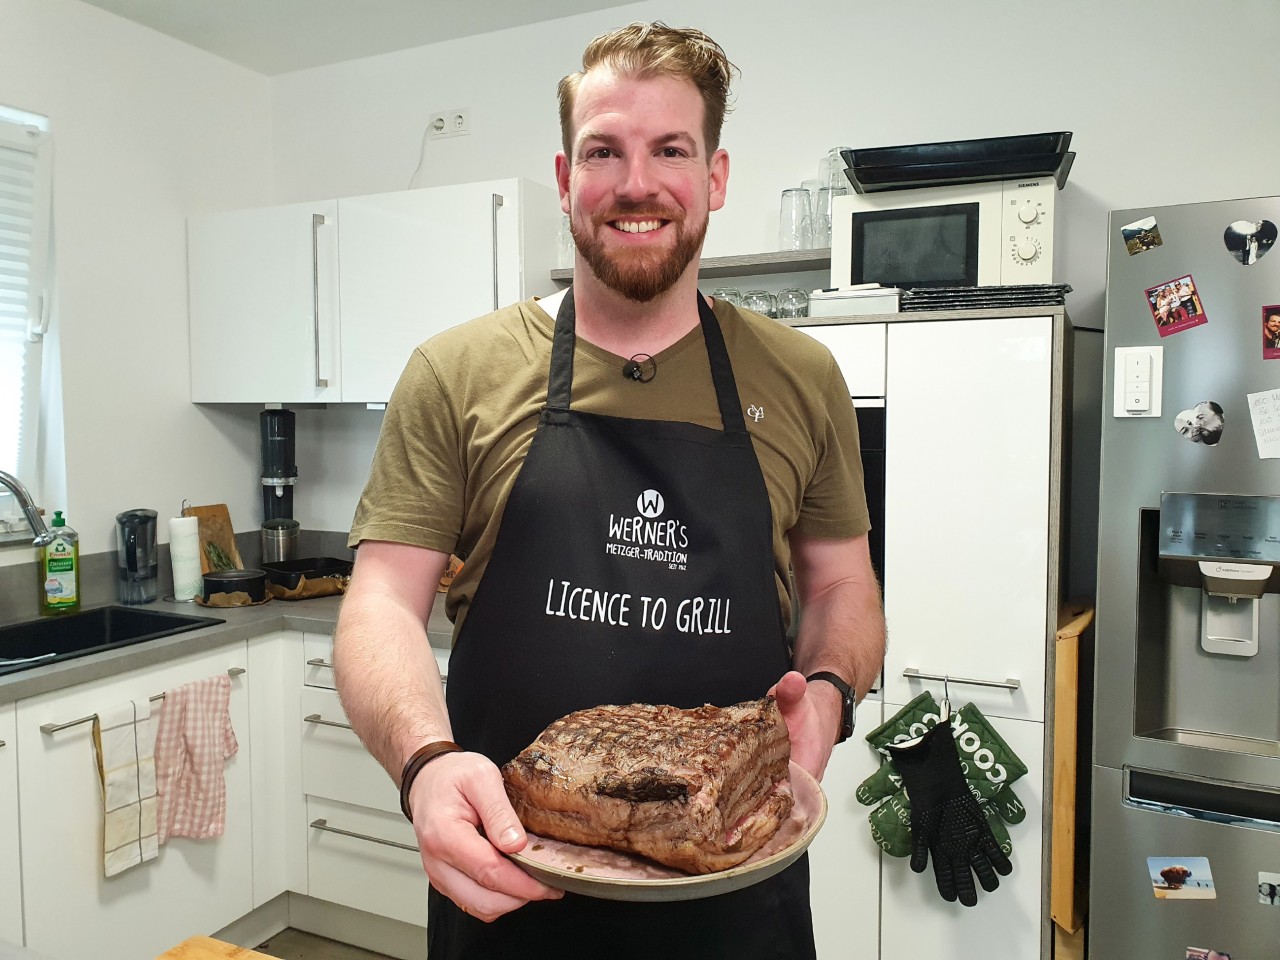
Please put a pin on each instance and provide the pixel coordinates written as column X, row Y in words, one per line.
column 193, row 743
column 123, row 740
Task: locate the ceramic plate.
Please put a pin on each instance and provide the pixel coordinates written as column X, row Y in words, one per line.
column 612, row 875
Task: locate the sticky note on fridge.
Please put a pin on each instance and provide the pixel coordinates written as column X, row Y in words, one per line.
column 1264, row 408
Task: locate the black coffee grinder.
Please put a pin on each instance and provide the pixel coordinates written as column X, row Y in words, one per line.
column 279, row 471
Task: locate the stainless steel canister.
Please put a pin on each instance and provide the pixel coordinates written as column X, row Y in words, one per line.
column 280, row 540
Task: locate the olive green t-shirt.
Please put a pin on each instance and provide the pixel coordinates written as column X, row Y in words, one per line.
column 463, row 415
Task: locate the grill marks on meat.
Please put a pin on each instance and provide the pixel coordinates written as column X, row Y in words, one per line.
column 699, row 790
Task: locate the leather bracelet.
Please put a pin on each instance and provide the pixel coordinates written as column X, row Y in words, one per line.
column 421, row 757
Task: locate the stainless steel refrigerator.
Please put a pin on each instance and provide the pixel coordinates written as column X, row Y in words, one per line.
column 1185, row 847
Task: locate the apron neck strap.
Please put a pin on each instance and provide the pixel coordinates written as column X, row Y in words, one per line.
column 560, row 381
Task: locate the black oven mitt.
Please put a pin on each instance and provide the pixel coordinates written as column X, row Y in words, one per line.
column 946, row 822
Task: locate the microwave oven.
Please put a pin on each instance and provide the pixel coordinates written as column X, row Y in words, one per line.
column 996, row 233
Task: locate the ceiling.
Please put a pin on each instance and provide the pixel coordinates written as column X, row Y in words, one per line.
column 279, row 36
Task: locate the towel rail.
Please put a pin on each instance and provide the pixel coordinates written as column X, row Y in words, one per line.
column 48, row 729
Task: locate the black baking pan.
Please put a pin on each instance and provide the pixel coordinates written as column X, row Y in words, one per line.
column 961, row 151
column 252, row 582
column 873, row 179
column 289, row 573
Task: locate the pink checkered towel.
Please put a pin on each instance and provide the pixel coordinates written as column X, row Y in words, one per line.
column 193, row 743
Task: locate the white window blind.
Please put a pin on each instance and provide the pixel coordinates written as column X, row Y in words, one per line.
column 25, row 215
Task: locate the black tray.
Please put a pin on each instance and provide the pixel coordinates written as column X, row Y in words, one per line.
column 961, row 151
column 917, row 175
column 289, row 573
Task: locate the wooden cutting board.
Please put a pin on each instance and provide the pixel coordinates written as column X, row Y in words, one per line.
column 206, row 948
column 215, row 528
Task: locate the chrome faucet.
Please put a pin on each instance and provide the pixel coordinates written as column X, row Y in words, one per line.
column 38, row 529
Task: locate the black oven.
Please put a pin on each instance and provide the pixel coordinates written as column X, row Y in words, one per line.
column 871, row 434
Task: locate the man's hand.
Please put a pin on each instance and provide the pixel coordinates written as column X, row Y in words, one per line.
column 465, row 824
column 812, row 712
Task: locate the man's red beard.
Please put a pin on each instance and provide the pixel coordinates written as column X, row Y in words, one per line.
column 639, row 275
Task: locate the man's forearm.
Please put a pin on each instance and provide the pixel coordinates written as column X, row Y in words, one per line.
column 387, row 679
column 842, row 630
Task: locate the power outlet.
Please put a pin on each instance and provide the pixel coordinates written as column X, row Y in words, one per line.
column 449, row 123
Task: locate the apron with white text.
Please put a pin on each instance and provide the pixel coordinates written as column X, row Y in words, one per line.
column 634, row 564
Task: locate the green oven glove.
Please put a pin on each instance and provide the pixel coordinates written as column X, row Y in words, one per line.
column 947, row 824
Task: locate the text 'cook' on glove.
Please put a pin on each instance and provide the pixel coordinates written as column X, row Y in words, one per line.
column 946, row 822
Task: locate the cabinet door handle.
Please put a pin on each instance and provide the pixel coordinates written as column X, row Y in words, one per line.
column 323, row 824
column 317, row 662
column 1, row 743
column 911, row 673
column 316, row 718
column 48, row 729
column 317, row 221
column 493, row 227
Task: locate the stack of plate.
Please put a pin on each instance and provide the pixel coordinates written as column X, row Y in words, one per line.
column 915, row 165
column 978, row 298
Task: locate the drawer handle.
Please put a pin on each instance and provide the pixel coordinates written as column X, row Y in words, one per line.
column 911, row 673
column 1, row 743
column 323, row 824
column 48, row 729
column 316, row 718
column 317, row 662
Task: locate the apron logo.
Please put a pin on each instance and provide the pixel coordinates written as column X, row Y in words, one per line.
column 650, row 504
column 755, row 413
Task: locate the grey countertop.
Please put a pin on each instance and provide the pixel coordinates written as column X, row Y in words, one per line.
column 241, row 623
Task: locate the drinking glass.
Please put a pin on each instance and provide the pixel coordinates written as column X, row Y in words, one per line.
column 792, row 302
column 565, row 248
column 821, row 218
column 793, row 221
column 728, row 295
column 761, row 301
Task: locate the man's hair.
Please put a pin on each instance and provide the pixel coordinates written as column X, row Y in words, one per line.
column 654, row 49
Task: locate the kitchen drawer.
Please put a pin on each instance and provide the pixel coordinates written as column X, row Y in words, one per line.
column 318, row 660
column 368, row 871
column 335, row 763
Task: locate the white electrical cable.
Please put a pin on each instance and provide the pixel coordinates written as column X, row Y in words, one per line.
column 422, row 155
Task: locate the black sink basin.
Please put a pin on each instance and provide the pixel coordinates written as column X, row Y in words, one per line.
column 35, row 643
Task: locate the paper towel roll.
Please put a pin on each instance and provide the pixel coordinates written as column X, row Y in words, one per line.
column 184, row 555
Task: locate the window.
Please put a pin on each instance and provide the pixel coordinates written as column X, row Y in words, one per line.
column 25, row 219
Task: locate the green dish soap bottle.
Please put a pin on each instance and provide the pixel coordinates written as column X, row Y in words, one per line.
column 60, row 569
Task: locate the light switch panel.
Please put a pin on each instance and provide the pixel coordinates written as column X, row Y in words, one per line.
column 1138, row 379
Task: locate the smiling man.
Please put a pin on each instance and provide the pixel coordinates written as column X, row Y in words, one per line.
column 593, row 445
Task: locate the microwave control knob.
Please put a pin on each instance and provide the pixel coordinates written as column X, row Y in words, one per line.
column 1028, row 214
column 1027, row 250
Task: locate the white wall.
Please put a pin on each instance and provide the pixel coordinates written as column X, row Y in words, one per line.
column 146, row 131
column 1170, row 101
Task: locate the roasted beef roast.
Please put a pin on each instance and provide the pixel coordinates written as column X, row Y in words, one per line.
column 699, row 790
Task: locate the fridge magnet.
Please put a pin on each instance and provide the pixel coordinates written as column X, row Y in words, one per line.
column 1269, row 889
column 1249, row 240
column 1175, row 306
column 1181, row 878
column 1200, row 953
column 1271, row 332
column 1203, row 423
column 1141, row 235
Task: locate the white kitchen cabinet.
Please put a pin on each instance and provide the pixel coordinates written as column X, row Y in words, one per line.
column 324, row 302
column 916, row 922
column 10, row 861
column 967, row 509
column 859, row 351
column 193, row 886
column 844, row 862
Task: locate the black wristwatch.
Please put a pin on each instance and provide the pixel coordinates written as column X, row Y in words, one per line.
column 846, row 699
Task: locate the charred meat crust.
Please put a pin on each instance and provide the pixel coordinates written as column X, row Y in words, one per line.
column 700, row 789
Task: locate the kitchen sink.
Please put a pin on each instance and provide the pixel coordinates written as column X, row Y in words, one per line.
column 35, row 643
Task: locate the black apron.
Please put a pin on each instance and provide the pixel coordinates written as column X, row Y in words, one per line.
column 634, row 564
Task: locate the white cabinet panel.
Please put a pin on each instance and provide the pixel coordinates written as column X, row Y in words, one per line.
column 967, row 508
column 10, row 863
column 256, row 279
column 917, row 922
column 367, row 871
column 859, row 349
column 71, row 910
column 335, row 763
column 844, row 862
